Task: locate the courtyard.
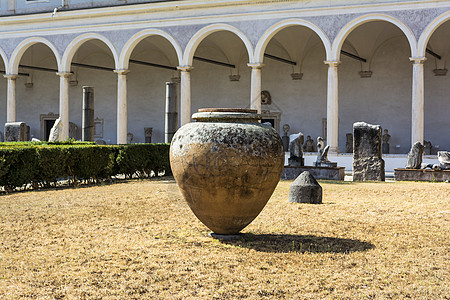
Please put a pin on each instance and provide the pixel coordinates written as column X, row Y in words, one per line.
column 139, row 240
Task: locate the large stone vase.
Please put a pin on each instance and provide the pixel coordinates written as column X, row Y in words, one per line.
column 227, row 166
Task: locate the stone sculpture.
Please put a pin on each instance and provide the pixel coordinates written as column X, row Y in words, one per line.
column 349, row 143
column 444, row 159
column 1, row 136
column 56, row 131
column 148, row 134
column 15, row 132
column 73, row 131
column 295, row 148
column 285, row 137
column 309, row 144
column 305, row 189
column 322, row 155
column 130, row 137
column 385, row 145
column 367, row 158
column 428, row 147
column 415, row 156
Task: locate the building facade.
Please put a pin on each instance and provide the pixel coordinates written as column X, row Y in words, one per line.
column 322, row 65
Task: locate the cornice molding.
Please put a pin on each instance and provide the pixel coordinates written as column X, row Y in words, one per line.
column 111, row 18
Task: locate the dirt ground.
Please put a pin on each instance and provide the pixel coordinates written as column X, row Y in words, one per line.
column 139, row 240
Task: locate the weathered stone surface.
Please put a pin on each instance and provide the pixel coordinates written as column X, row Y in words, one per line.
column 295, row 148
column 421, row 175
column 227, row 166
column 15, row 132
column 367, row 160
column 305, row 189
column 56, row 131
column 329, row 173
column 415, row 156
column 74, row 131
column 444, row 159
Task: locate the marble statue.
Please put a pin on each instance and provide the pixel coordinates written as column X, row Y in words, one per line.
column 295, row 149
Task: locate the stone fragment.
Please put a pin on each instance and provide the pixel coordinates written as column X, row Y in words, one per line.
column 35, row 140
column 87, row 120
column 322, row 155
column 444, row 159
column 285, row 138
column 148, row 134
column 305, row 189
column 56, row 131
column 349, row 143
column 1, row 136
column 415, row 156
column 295, row 148
column 15, row 132
column 367, row 160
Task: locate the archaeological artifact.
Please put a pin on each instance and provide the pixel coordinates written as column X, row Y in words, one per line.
column 227, row 166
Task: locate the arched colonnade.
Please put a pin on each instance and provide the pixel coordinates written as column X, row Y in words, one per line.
column 418, row 49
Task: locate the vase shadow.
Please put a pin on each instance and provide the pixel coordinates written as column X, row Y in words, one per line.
column 284, row 243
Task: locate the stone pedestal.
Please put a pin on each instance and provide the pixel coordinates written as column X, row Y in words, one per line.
column 337, row 173
column 171, row 124
column 367, row 158
column 421, row 175
column 87, row 123
column 15, row 132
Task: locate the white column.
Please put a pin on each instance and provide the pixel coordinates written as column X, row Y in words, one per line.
column 332, row 106
column 255, row 93
column 417, row 122
column 121, row 106
column 185, row 95
column 64, row 103
column 11, row 98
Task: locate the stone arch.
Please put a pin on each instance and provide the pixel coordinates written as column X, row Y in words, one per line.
column 208, row 30
column 4, row 58
column 13, row 66
column 274, row 29
column 138, row 37
column 349, row 27
column 80, row 40
column 428, row 32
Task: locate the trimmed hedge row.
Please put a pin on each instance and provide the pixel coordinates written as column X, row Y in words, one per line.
column 38, row 165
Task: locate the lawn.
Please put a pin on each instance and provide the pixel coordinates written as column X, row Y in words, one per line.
column 139, row 240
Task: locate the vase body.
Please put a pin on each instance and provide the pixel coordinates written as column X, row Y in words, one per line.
column 227, row 166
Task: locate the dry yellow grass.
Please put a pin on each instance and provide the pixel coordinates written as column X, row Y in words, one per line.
column 139, row 240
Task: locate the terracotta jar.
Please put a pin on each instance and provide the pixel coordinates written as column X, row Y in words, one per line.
column 227, row 166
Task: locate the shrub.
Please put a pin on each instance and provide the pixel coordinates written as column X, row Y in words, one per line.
column 42, row 164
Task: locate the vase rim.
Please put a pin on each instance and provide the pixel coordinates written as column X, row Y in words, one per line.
column 238, row 110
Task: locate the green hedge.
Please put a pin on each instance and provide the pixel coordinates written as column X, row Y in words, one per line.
column 24, row 165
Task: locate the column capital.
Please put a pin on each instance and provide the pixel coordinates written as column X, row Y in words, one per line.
column 332, row 63
column 122, row 72
column 255, row 65
column 185, row 68
column 64, row 74
column 418, row 60
column 11, row 76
